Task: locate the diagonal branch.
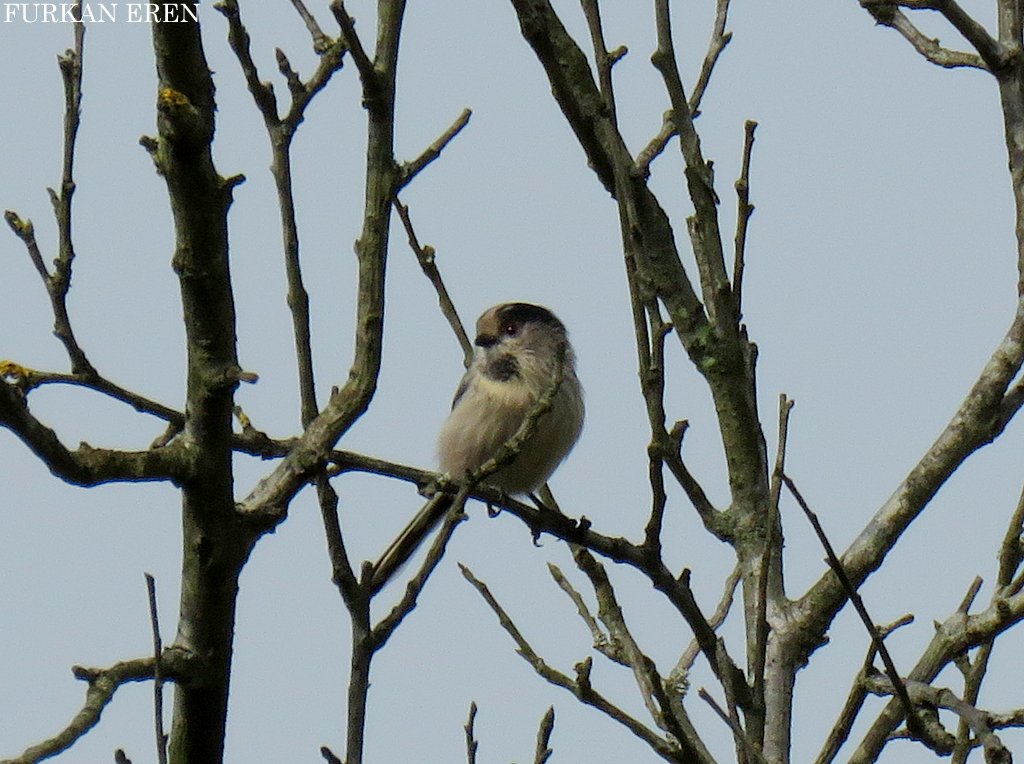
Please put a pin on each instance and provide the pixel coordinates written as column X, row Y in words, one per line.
column 410, row 170
column 887, row 14
column 321, row 42
column 876, row 638
column 855, row 700
column 580, row 686
column 425, row 256
column 103, row 683
column 978, row 421
column 719, row 39
column 87, row 466
column 543, row 751
column 667, row 712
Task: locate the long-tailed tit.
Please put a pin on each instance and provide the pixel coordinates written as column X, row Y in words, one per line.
column 519, row 347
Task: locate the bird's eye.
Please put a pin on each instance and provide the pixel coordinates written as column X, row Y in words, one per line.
column 510, row 330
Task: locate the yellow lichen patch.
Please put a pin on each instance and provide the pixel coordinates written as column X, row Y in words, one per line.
column 13, row 372
column 243, row 418
column 171, row 98
column 21, row 226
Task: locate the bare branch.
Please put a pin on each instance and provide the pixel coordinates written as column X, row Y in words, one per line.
column 678, row 677
column 887, row 14
column 321, row 42
column 772, row 554
column 580, row 686
column 709, row 515
column 741, row 737
column 158, row 674
column 238, row 37
column 719, row 39
column 425, row 256
column 667, row 712
column 28, row 379
column 704, row 223
column 367, row 71
column 602, row 58
column 471, row 741
column 991, row 51
column 743, row 212
column 855, row 700
column 973, row 425
column 654, row 149
column 851, row 592
column 602, row 642
column 103, row 683
column 87, row 465
column 410, row 170
column 978, row 720
column 329, row 755
column 547, row 726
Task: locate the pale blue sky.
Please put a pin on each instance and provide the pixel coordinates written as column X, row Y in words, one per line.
column 880, row 274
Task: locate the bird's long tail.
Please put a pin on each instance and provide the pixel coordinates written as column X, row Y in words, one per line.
column 409, row 540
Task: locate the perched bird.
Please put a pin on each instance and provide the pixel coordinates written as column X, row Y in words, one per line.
column 519, row 347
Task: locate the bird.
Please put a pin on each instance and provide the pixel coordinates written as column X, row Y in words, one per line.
column 519, row 347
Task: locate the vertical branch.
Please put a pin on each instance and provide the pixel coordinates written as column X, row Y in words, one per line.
column 547, row 725
column 158, row 674
column 700, row 183
column 215, row 544
column 1010, row 19
column 60, row 281
column 772, row 556
column 346, row 405
column 472, row 744
column 743, row 212
column 1010, row 555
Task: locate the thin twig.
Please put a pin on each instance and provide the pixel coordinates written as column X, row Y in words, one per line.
column 837, row 567
column 471, row 742
column 426, row 257
column 703, row 224
column 410, row 170
column 940, row 697
column 543, row 751
column 367, row 72
column 887, row 14
column 772, row 549
column 654, row 149
column 321, row 42
column 602, row 642
column 840, row 731
column 158, row 677
column 580, row 686
column 652, row 371
column 604, row 61
column 743, row 212
column 29, row 379
column 678, row 677
column 329, row 755
column 737, row 731
column 103, row 683
column 719, row 39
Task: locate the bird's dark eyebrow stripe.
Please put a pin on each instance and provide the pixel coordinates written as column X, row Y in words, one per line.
column 523, row 312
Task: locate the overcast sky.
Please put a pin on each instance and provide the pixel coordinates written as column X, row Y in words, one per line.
column 880, row 275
